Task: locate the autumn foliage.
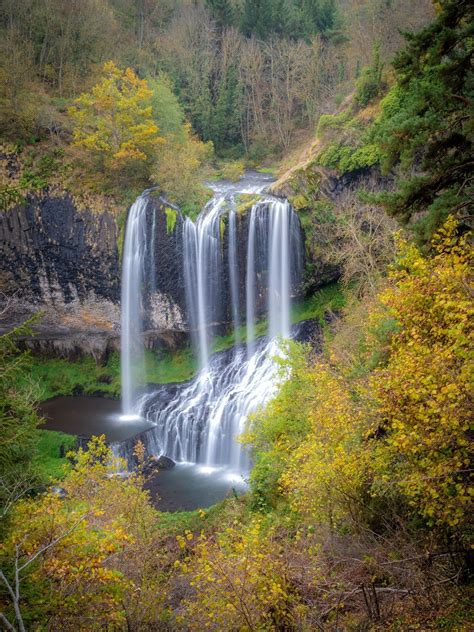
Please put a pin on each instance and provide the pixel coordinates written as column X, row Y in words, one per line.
column 114, row 121
column 396, row 434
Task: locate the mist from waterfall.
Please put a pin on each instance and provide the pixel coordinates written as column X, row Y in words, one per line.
column 198, row 421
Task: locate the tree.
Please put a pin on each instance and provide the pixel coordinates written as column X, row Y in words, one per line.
column 166, row 109
column 18, row 421
column 114, row 122
column 257, row 18
column 425, row 392
column 222, row 11
column 179, row 170
column 370, row 84
column 360, row 241
column 318, row 16
column 426, row 124
column 59, row 560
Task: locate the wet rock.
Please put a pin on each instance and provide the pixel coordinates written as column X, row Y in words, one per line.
column 62, row 262
column 165, row 463
column 156, row 463
column 59, row 491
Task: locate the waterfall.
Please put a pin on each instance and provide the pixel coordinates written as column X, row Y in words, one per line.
column 203, row 274
column 250, row 283
column 198, row 421
column 133, row 265
column 234, row 271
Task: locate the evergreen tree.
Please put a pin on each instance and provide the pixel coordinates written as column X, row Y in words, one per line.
column 319, row 16
column 226, row 121
column 257, row 18
column 222, row 11
column 18, row 419
column 370, row 83
column 427, row 123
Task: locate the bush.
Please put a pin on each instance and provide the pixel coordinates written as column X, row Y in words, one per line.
column 181, row 168
column 370, row 84
column 232, row 171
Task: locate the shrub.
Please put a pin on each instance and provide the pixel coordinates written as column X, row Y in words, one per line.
column 370, row 84
column 232, row 171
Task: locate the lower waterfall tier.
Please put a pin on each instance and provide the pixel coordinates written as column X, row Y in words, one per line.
column 198, row 421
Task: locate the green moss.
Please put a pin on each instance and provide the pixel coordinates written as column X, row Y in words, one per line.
column 61, row 377
column 348, row 158
column 120, row 221
column 220, row 343
column 51, row 453
column 328, row 299
column 332, row 122
column 55, row 377
column 171, row 216
column 245, row 201
column 170, row 367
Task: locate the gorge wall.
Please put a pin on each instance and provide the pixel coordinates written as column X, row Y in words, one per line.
column 62, row 263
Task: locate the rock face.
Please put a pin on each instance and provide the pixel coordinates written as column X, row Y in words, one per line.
column 63, row 263
column 165, row 300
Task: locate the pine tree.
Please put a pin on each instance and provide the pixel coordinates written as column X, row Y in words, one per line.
column 222, row 11
column 258, row 18
column 319, row 16
column 226, row 123
column 427, row 124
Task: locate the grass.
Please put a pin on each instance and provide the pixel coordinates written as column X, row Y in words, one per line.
column 56, row 376
column 171, row 367
column 271, row 170
column 48, row 459
column 61, row 377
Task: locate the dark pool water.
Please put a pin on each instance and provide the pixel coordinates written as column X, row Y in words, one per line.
column 87, row 416
column 185, row 487
column 188, row 486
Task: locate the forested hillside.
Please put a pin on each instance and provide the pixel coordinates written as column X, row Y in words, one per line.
column 250, row 77
column 358, row 511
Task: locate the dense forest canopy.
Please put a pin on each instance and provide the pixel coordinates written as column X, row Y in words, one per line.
column 248, row 74
column 358, row 513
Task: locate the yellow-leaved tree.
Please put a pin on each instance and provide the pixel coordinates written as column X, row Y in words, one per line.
column 114, row 123
column 425, row 391
column 237, row 581
column 397, row 435
column 61, row 560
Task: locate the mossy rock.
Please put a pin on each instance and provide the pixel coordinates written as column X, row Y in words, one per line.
column 245, row 201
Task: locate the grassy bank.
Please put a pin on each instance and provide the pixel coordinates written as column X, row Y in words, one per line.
column 51, row 450
column 54, row 376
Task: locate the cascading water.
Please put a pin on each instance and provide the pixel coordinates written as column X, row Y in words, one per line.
column 199, row 420
column 234, row 271
column 133, row 266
